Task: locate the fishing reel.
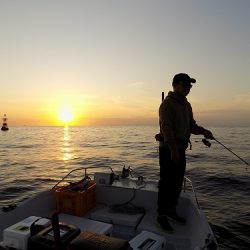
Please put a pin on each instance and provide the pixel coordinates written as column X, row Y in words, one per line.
column 206, row 142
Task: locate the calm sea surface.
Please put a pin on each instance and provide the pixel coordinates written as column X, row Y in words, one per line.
column 35, row 158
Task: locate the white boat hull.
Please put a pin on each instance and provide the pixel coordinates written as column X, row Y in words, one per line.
column 194, row 235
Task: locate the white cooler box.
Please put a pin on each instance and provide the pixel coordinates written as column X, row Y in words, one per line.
column 148, row 241
column 17, row 235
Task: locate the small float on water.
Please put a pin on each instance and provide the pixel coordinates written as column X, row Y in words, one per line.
column 5, row 125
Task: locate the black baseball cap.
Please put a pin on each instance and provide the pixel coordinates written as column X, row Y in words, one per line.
column 183, row 77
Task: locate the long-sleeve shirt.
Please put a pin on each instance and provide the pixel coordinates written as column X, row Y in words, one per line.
column 177, row 121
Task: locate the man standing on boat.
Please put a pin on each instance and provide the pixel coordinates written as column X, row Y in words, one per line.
column 176, row 126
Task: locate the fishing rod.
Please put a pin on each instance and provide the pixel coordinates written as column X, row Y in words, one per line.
column 208, row 144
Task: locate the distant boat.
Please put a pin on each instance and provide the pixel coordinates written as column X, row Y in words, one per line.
column 5, row 126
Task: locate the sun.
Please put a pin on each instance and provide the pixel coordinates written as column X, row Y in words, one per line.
column 66, row 115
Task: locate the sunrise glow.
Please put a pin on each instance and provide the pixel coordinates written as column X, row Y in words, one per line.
column 105, row 72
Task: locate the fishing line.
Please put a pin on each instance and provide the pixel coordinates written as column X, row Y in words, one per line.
column 208, row 144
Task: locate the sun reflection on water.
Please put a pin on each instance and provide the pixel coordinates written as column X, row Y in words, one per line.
column 66, row 149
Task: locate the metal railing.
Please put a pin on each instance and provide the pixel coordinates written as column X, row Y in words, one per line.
column 85, row 169
column 187, row 180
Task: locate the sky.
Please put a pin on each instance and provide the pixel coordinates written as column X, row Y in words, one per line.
column 106, row 62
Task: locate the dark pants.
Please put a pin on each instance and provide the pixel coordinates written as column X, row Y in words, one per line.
column 171, row 180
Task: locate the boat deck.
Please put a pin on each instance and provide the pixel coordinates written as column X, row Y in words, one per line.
column 119, row 224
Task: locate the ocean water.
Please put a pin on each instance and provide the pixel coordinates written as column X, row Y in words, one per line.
column 35, row 158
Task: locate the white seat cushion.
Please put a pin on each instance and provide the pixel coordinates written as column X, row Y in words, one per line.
column 86, row 224
column 103, row 214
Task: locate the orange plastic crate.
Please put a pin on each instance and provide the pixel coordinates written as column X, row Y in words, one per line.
column 75, row 203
